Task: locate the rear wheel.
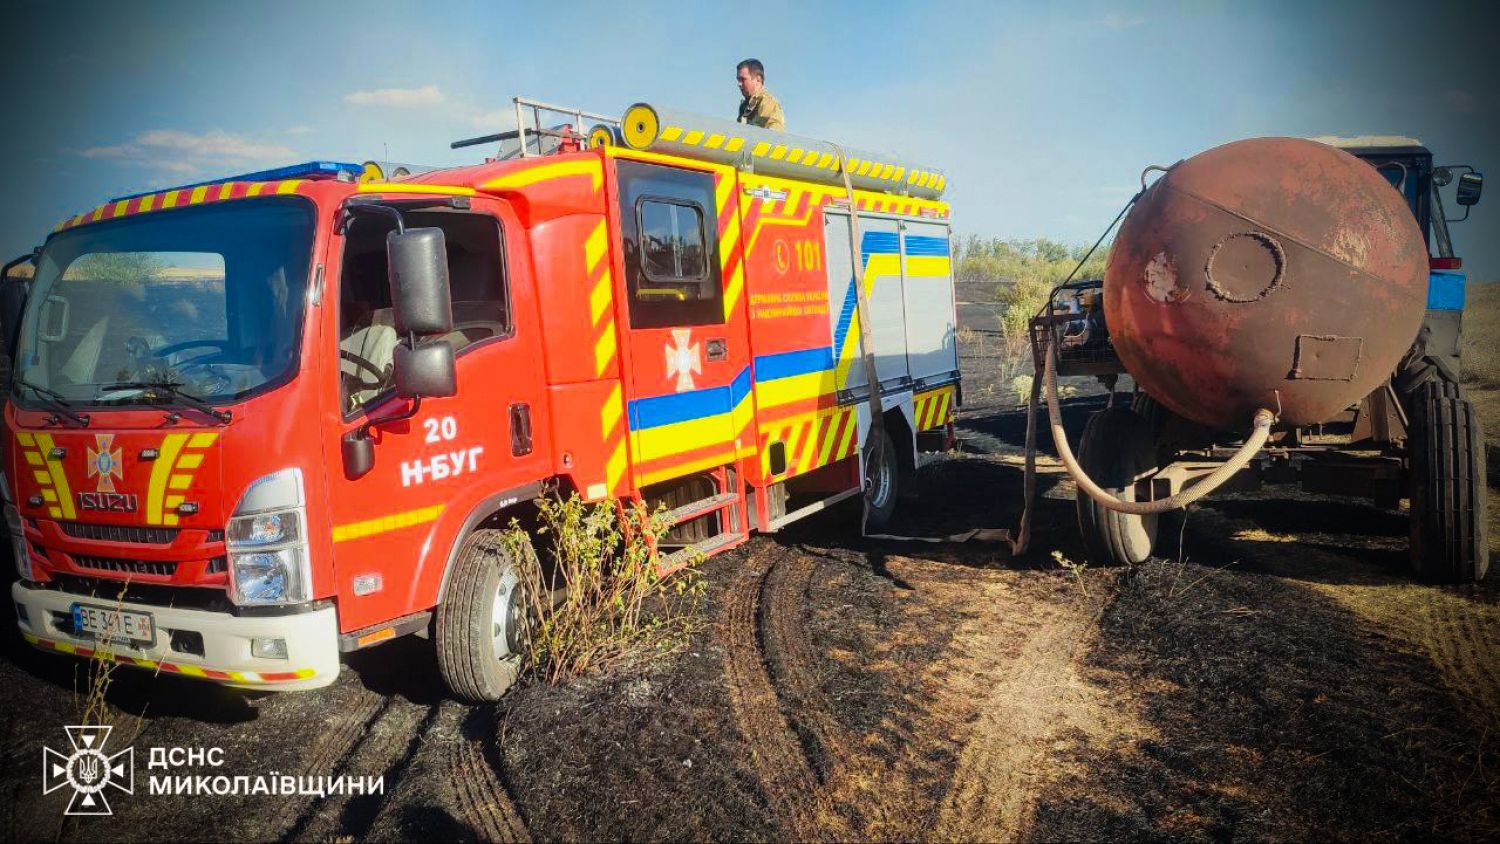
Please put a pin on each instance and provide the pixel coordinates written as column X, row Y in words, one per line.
column 881, row 476
column 1449, row 541
column 1117, row 448
column 480, row 624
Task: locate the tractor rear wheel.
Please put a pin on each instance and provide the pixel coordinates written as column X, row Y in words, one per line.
column 1117, row 448
column 480, row 630
column 1449, row 530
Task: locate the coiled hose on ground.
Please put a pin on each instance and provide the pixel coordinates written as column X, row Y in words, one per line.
column 1260, row 431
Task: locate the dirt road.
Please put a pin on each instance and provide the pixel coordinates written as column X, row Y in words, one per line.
column 1273, row 675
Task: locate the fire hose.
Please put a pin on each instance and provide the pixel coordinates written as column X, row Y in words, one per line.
column 1260, row 431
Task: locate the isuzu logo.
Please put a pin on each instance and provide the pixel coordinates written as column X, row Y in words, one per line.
column 108, row 502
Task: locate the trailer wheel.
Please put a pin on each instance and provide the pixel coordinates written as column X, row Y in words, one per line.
column 1449, row 542
column 881, row 485
column 480, row 624
column 1117, row 448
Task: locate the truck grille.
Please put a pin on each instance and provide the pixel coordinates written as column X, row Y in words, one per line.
column 114, row 564
column 120, row 533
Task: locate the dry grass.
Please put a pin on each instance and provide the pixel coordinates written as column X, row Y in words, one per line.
column 603, row 597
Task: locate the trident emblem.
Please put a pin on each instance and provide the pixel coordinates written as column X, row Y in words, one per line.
column 88, row 770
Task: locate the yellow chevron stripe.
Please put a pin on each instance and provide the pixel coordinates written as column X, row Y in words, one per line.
column 612, row 412
column 614, row 469
column 601, row 297
column 59, row 477
column 161, row 470
column 692, row 138
column 604, row 351
column 595, row 247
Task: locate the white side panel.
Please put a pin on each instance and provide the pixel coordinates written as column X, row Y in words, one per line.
column 880, row 247
column 931, row 336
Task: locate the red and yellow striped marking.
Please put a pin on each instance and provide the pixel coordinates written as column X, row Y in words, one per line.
column 612, row 428
column 601, row 300
column 934, row 408
column 184, row 669
column 182, row 198
column 36, row 452
column 812, row 439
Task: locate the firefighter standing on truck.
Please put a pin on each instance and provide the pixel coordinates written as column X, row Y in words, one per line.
column 759, row 106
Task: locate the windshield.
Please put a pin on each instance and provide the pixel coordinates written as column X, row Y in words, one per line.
column 208, row 298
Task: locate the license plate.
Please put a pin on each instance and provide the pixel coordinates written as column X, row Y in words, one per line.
column 113, row 625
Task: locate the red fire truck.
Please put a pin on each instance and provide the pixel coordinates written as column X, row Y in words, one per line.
column 260, row 422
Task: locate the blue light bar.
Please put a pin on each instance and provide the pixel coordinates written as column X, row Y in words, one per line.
column 305, row 170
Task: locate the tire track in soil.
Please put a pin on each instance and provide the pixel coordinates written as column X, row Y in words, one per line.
column 785, row 777
column 386, row 749
column 332, row 749
column 790, row 657
column 482, row 798
column 1038, row 693
column 1005, row 687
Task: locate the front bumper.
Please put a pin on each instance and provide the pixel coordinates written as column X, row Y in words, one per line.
column 312, row 641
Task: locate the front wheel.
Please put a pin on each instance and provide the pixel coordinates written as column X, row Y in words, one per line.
column 480, row 629
column 1449, row 531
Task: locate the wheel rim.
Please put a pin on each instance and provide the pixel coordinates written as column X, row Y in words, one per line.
column 505, row 611
column 877, row 483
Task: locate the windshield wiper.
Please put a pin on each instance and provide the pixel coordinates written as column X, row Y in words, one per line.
column 59, row 403
column 174, row 390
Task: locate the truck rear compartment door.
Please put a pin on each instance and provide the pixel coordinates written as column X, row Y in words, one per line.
column 881, row 275
column 931, row 341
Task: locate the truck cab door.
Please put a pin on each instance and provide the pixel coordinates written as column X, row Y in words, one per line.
column 393, row 527
column 688, row 363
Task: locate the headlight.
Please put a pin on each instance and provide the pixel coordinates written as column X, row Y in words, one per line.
column 267, row 543
column 265, row 529
column 19, row 547
column 272, row 577
column 21, row 550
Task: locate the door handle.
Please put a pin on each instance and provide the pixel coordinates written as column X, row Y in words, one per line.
column 520, row 429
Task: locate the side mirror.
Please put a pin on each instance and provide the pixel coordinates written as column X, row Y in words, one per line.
column 1470, row 185
column 418, row 261
column 425, row 371
column 359, row 454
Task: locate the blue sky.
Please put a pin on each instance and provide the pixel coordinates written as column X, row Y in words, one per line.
column 1043, row 115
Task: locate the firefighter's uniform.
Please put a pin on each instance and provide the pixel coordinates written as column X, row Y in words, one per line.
column 762, row 110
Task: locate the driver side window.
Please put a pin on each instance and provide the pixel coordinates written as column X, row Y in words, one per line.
column 477, row 279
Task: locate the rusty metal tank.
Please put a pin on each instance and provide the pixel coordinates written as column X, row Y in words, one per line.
column 1271, row 272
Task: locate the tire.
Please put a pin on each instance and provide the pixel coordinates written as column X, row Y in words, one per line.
column 1449, row 541
column 881, row 488
column 479, row 631
column 1117, row 448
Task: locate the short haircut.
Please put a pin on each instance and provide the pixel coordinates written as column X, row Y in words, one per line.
column 754, row 66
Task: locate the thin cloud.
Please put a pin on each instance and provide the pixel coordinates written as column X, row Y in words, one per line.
column 299, row 130
column 499, row 120
column 397, row 97
column 1116, row 20
column 185, row 153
